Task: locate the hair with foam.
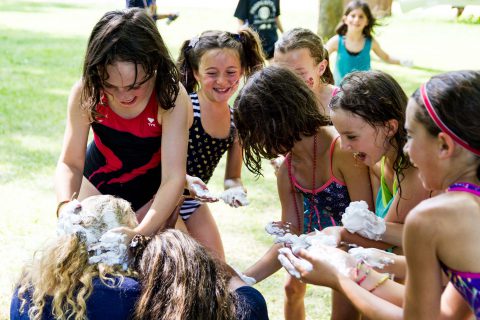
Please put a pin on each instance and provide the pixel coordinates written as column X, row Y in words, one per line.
column 63, row 266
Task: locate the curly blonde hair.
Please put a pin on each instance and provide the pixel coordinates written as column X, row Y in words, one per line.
column 62, row 271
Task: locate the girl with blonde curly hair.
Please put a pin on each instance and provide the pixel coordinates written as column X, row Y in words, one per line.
column 84, row 272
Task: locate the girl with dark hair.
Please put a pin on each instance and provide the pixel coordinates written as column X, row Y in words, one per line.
column 369, row 113
column 277, row 113
column 302, row 51
column 130, row 96
column 211, row 66
column 181, row 280
column 441, row 233
column 354, row 40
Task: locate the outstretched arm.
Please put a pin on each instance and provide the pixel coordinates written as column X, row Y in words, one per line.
column 233, row 168
column 384, row 300
column 174, row 154
column 269, row 263
column 69, row 171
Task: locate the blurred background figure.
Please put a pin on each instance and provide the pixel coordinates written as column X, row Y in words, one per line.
column 151, row 7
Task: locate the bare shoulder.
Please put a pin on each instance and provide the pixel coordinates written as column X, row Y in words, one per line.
column 440, row 211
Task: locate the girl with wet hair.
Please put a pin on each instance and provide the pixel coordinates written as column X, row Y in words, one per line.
column 369, row 113
column 131, row 98
column 84, row 270
column 302, row 51
column 441, row 233
column 277, row 113
column 182, row 280
column 211, row 67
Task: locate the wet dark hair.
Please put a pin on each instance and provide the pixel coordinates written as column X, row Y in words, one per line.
column 376, row 97
column 353, row 5
column 246, row 43
column 272, row 112
column 128, row 35
column 455, row 96
column 300, row 38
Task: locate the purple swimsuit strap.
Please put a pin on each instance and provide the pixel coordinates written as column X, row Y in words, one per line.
column 465, row 187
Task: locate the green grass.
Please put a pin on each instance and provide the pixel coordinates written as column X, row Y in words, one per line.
column 42, row 44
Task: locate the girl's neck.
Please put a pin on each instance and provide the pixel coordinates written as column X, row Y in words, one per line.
column 211, row 105
column 323, row 93
column 354, row 35
column 303, row 149
column 469, row 175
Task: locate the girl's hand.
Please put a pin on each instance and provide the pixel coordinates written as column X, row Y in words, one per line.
column 129, row 233
column 373, row 257
column 199, row 190
column 280, row 228
column 235, row 197
column 335, row 231
column 328, row 265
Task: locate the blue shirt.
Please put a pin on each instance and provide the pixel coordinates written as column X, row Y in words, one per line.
column 348, row 62
column 104, row 303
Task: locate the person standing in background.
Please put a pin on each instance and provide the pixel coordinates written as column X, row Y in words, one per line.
column 263, row 16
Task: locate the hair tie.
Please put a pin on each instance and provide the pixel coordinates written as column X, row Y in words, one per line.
column 443, row 127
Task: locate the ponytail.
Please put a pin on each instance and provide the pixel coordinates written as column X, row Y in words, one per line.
column 185, row 67
column 327, row 76
column 253, row 57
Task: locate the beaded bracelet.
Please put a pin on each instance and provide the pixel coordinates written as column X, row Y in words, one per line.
column 380, row 282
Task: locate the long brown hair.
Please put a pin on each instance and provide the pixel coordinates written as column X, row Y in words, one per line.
column 181, row 280
column 129, row 35
column 272, row 112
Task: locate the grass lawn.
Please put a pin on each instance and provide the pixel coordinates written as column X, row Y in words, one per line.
column 42, row 44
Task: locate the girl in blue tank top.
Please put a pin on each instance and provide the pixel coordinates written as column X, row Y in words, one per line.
column 354, row 41
column 277, row 113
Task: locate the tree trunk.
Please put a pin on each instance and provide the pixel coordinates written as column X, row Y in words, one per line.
column 331, row 12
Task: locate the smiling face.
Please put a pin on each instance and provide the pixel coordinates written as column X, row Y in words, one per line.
column 422, row 148
column 218, row 74
column 369, row 144
column 303, row 64
column 127, row 87
column 356, row 20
